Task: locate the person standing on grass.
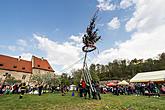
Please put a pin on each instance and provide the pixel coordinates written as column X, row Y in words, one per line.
column 23, row 89
column 1, row 92
column 40, row 90
column 83, row 88
column 97, row 86
column 80, row 90
column 151, row 88
column 137, row 89
column 157, row 91
column 143, row 89
column 87, row 91
column 62, row 89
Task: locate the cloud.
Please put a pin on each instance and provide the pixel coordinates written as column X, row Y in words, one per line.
column 149, row 14
column 14, row 48
column 20, row 45
column 100, row 25
column 114, row 24
column 147, row 41
column 22, row 42
column 63, row 54
column 26, row 56
column 106, row 5
column 77, row 39
column 126, row 3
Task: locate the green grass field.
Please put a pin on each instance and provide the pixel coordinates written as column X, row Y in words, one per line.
column 58, row 102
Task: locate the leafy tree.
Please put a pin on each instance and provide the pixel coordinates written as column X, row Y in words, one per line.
column 77, row 76
column 65, row 79
column 162, row 61
column 42, row 78
column 92, row 70
column 11, row 80
column 55, row 81
column 123, row 69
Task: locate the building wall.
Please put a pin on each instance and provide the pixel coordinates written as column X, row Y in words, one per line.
column 17, row 75
column 39, row 71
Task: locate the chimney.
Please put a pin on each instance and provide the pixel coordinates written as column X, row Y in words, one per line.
column 33, row 61
column 19, row 58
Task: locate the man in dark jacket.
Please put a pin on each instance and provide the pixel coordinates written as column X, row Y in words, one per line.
column 23, row 89
column 40, row 90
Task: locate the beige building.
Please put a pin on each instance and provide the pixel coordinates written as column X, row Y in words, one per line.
column 22, row 69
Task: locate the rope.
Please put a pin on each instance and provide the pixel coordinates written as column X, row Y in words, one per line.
column 72, row 65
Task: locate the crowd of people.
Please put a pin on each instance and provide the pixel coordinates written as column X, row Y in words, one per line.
column 88, row 90
column 145, row 89
column 9, row 89
column 20, row 89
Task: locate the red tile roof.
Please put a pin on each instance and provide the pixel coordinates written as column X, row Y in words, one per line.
column 41, row 63
column 14, row 64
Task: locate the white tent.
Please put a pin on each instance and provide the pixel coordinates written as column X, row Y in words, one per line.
column 123, row 83
column 156, row 76
column 72, row 87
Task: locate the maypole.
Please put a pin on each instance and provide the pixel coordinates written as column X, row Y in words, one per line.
column 89, row 39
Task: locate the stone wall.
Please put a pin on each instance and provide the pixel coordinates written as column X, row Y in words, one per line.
column 20, row 75
column 39, row 71
column 17, row 75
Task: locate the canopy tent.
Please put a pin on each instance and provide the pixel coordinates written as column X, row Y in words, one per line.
column 123, row 83
column 72, row 87
column 111, row 84
column 155, row 76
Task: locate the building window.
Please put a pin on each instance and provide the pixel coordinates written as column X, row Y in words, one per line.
column 1, row 64
column 9, row 75
column 38, row 71
column 24, row 76
column 38, row 65
column 48, row 67
column 23, row 68
column 5, row 74
column 14, row 66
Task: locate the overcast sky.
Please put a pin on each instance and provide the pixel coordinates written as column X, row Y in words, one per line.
column 53, row 29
